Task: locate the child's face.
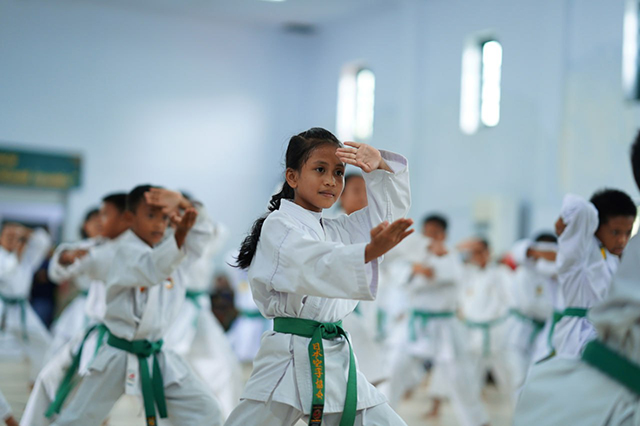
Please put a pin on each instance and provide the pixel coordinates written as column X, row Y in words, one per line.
column 13, row 237
column 149, row 223
column 434, row 231
column 320, row 181
column 93, row 226
column 113, row 222
column 480, row 256
column 354, row 197
column 615, row 233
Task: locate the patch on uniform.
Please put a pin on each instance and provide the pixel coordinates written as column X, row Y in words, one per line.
column 539, row 290
column 469, row 292
column 243, row 287
column 171, row 284
column 316, row 415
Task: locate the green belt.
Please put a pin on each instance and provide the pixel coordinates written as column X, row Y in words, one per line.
column 317, row 331
column 84, row 293
column 357, row 310
column 557, row 316
column 485, row 326
column 13, row 301
column 381, row 322
column 69, row 381
column 152, row 387
column 424, row 317
column 614, row 365
column 536, row 323
column 251, row 314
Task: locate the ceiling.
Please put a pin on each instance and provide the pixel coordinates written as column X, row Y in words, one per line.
column 261, row 12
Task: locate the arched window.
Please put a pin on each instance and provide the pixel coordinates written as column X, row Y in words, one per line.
column 480, row 86
column 356, row 99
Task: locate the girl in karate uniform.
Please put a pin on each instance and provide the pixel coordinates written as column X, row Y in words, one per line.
column 307, row 273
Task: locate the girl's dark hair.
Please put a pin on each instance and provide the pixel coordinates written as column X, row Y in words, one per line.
column 300, row 148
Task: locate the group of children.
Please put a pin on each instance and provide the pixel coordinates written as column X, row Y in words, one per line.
column 343, row 314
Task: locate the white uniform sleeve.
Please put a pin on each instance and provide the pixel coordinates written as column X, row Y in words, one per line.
column 137, row 268
column 520, row 249
column 388, row 194
column 36, row 250
column 200, row 235
column 298, row 264
column 581, row 218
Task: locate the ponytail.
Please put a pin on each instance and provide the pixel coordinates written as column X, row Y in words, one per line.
column 298, row 152
column 250, row 244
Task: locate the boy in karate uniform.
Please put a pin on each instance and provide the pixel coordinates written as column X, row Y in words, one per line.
column 21, row 254
column 79, row 263
column 434, row 332
column 485, row 303
column 592, row 237
column 145, row 291
column 602, row 388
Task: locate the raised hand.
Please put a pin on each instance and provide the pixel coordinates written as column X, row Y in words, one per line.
column 386, row 236
column 560, row 226
column 362, row 155
column 67, row 257
column 183, row 224
column 170, row 201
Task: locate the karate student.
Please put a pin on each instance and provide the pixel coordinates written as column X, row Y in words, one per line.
column 308, row 273
column 602, row 387
column 74, row 318
column 592, row 236
column 22, row 251
column 197, row 335
column 485, row 303
column 145, row 291
column 434, row 333
column 90, row 266
column 5, row 412
column 535, row 284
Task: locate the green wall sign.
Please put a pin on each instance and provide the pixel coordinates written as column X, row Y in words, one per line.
column 39, row 170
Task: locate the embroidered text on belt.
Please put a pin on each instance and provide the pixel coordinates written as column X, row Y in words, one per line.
column 15, row 301
column 614, row 365
column 318, row 331
column 152, row 387
column 425, row 317
column 70, row 379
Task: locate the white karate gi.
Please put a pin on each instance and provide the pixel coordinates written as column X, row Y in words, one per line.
column 92, row 270
column 199, row 338
column 145, row 291
column 584, row 273
column 246, row 330
column 76, row 317
column 486, row 297
column 312, row 268
column 16, row 278
column 439, row 340
column 566, row 391
column 532, row 294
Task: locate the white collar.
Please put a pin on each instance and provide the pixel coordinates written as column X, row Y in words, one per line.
column 307, row 217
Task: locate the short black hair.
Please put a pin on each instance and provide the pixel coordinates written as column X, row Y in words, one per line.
column 546, row 237
column 117, row 199
column 350, row 176
column 91, row 213
column 438, row 219
column 136, row 196
column 484, row 242
column 611, row 203
column 635, row 159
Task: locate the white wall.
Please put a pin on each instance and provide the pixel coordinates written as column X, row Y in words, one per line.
column 565, row 125
column 206, row 106
column 145, row 97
